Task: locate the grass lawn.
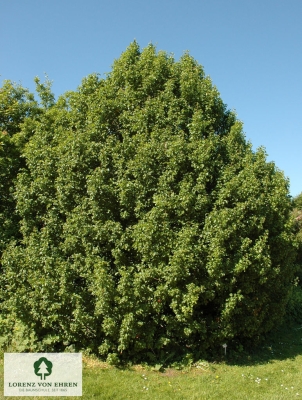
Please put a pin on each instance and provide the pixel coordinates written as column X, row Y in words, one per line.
column 273, row 371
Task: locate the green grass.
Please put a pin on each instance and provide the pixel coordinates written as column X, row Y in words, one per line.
column 273, row 371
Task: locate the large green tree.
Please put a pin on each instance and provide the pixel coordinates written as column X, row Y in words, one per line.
column 148, row 222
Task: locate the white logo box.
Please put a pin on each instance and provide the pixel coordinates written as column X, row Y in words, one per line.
column 43, row 374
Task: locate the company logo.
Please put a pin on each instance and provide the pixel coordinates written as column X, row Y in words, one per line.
column 42, row 374
column 43, row 368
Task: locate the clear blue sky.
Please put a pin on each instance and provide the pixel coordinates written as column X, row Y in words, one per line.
column 252, row 49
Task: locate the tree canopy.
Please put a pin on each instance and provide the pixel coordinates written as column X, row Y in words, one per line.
column 147, row 221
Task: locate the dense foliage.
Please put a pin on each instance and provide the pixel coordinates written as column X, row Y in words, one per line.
column 294, row 305
column 16, row 105
column 297, row 216
column 297, row 202
column 147, row 221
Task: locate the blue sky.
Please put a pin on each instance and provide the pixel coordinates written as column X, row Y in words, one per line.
column 252, row 50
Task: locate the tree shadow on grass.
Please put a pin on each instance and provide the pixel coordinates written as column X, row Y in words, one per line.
column 285, row 342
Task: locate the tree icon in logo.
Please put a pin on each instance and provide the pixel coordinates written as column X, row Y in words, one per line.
column 43, row 367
